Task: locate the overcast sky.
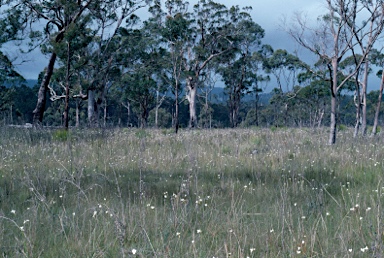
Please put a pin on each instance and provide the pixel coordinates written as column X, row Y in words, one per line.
column 267, row 13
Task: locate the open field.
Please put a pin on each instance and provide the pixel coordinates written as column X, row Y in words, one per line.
column 219, row 193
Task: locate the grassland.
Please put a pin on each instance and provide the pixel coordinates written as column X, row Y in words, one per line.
column 218, row 193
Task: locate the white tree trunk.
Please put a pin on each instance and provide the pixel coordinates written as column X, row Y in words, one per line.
column 364, row 100
column 191, row 97
column 92, row 109
column 77, row 114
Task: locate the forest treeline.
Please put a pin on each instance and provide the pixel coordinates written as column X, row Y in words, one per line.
column 266, row 111
column 109, row 67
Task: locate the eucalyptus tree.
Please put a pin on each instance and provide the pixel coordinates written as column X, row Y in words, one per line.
column 195, row 41
column 365, row 36
column 377, row 58
column 347, row 66
column 8, row 32
column 210, row 79
column 140, row 72
column 285, row 68
column 315, row 91
column 238, row 68
column 56, row 16
column 257, row 61
column 108, row 18
column 172, row 27
column 140, row 92
column 8, row 74
column 65, row 79
column 333, row 39
column 212, row 35
column 9, row 77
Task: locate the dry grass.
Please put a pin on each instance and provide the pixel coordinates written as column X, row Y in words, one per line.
column 219, row 193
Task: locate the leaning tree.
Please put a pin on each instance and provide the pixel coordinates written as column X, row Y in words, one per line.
column 57, row 16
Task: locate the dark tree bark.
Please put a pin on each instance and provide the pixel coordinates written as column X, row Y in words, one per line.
column 38, row 112
column 176, row 114
column 67, row 77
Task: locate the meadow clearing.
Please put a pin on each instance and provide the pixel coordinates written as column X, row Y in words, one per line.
column 202, row 193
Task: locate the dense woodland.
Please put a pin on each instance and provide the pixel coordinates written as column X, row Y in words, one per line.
column 203, row 65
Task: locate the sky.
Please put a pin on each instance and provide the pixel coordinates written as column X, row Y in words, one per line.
column 267, row 13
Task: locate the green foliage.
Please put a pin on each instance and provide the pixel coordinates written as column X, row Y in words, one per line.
column 8, row 75
column 251, row 119
column 341, row 127
column 239, row 68
column 164, row 118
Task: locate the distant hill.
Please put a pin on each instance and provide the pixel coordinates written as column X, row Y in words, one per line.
column 29, row 83
column 219, row 96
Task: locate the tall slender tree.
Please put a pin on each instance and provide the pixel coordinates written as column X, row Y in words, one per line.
column 333, row 39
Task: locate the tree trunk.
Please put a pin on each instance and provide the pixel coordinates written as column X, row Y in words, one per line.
column 77, row 114
column 176, row 114
column 157, row 110
column 321, row 115
column 67, row 75
column 358, row 109
column 257, row 109
column 128, row 107
column 128, row 114
column 66, row 107
column 364, row 100
column 191, row 97
column 144, row 115
column 92, row 109
column 105, row 114
column 234, row 103
column 333, row 125
column 11, row 114
column 235, row 109
column 376, row 121
column 38, row 112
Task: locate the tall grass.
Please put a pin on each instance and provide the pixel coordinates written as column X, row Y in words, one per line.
column 218, row 193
